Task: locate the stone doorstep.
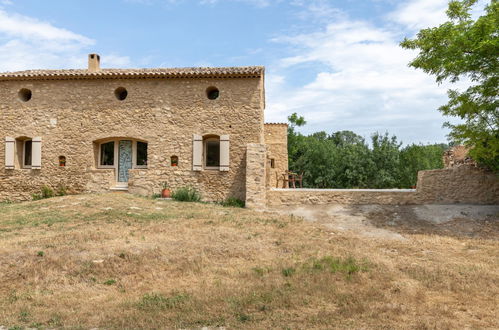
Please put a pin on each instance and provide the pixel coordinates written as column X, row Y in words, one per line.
column 119, row 189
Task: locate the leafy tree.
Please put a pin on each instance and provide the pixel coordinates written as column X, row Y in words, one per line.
column 344, row 159
column 417, row 157
column 295, row 140
column 318, row 163
column 385, row 156
column 466, row 48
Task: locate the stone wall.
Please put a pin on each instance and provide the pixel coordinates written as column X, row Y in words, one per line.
column 283, row 197
column 463, row 185
column 276, row 138
column 70, row 115
column 256, row 187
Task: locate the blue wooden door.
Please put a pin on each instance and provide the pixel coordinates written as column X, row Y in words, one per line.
column 125, row 160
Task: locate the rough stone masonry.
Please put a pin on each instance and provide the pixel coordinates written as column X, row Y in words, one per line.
column 96, row 129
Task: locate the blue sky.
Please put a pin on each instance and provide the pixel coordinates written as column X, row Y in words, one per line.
column 337, row 63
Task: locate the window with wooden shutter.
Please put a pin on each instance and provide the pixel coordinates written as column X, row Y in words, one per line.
column 9, row 152
column 197, row 153
column 224, row 153
column 36, row 153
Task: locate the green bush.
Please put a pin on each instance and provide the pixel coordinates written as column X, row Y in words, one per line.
column 232, row 202
column 47, row 192
column 186, row 194
column 62, row 190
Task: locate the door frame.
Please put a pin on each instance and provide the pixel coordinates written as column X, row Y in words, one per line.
column 115, row 165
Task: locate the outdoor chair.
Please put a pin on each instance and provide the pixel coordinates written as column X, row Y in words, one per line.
column 299, row 178
column 291, row 178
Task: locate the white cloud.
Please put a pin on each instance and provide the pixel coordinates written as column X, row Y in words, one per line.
column 28, row 43
column 18, row 26
column 363, row 82
column 420, row 14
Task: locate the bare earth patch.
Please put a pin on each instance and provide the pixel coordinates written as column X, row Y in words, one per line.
column 120, row 261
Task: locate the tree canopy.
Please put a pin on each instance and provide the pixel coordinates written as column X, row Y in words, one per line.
column 344, row 159
column 466, row 48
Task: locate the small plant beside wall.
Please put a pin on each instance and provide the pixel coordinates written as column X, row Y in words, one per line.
column 48, row 192
column 186, row 194
column 165, row 192
column 232, row 202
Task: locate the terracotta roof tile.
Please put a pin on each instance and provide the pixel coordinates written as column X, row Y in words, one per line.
column 243, row 71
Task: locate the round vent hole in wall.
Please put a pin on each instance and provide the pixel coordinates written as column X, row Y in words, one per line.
column 24, row 94
column 212, row 93
column 120, row 93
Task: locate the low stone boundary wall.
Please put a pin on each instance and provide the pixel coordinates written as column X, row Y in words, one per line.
column 279, row 197
column 459, row 185
column 464, row 184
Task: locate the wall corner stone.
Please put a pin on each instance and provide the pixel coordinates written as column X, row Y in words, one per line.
column 256, row 188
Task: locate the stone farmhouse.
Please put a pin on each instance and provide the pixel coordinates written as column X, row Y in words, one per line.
column 95, row 130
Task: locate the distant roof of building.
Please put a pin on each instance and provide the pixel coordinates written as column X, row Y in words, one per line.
column 220, row 72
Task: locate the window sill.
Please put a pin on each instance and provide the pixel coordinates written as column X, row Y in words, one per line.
column 105, row 167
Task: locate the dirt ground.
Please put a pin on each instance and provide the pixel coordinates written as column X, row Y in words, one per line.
column 115, row 261
column 396, row 222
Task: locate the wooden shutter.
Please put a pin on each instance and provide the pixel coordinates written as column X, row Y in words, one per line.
column 224, row 153
column 9, row 152
column 197, row 153
column 36, row 153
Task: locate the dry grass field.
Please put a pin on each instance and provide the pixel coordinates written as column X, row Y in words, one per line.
column 121, row 261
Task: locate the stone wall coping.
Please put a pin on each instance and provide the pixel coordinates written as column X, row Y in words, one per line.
column 341, row 190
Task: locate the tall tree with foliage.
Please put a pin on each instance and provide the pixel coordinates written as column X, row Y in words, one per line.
column 459, row 48
column 295, row 139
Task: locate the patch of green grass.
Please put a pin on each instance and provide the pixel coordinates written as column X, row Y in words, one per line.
column 157, row 301
column 287, row 272
column 40, row 253
column 260, row 271
column 346, row 266
column 109, row 282
column 243, row 317
column 24, row 316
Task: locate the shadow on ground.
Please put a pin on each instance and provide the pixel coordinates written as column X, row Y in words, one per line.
column 394, row 222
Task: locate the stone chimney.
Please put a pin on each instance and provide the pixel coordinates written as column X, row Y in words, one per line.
column 93, row 62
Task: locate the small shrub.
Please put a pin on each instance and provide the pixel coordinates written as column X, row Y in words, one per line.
column 186, row 194
column 47, row 192
column 62, row 190
column 232, row 202
column 36, row 197
column 156, row 196
column 109, row 282
column 40, row 253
